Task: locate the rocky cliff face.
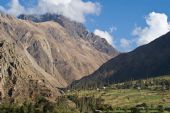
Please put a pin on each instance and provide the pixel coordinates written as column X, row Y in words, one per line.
column 18, row 79
column 75, row 30
column 41, row 57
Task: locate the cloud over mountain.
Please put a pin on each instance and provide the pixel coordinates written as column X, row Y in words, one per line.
column 157, row 25
column 125, row 44
column 105, row 35
column 73, row 9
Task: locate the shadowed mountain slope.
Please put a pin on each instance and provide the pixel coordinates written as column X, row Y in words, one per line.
column 150, row 60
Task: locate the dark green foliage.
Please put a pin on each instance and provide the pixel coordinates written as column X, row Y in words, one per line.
column 83, row 105
column 151, row 84
column 9, row 109
column 91, row 104
column 135, row 110
column 87, row 104
column 41, row 105
column 160, row 109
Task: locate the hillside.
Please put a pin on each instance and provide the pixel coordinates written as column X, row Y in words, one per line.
column 18, row 79
column 139, row 96
column 53, row 51
column 75, row 30
column 39, row 58
column 147, row 61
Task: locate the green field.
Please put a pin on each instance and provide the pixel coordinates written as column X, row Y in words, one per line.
column 141, row 96
column 152, row 92
column 127, row 97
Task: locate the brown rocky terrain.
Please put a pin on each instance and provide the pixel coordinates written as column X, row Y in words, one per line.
column 18, row 79
column 39, row 58
column 75, row 30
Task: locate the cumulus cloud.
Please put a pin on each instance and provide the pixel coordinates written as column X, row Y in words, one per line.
column 15, row 8
column 125, row 44
column 157, row 25
column 74, row 9
column 105, row 35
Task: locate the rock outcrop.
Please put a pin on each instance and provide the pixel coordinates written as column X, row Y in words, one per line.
column 18, row 79
column 75, row 30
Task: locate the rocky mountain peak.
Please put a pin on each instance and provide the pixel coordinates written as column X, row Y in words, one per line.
column 75, row 30
column 51, row 52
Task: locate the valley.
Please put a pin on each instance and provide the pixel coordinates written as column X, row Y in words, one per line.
column 142, row 96
column 84, row 56
column 152, row 91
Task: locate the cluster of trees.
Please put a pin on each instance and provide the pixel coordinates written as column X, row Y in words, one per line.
column 148, row 109
column 86, row 104
column 153, row 84
column 142, row 108
column 81, row 105
column 61, row 105
column 90, row 104
column 41, row 105
column 145, row 108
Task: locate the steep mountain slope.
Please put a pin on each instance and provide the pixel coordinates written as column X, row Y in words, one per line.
column 75, row 30
column 53, row 53
column 19, row 81
column 150, row 60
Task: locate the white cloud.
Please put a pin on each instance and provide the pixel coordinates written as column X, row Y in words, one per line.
column 15, row 8
column 113, row 28
column 125, row 44
column 157, row 25
column 105, row 35
column 73, row 9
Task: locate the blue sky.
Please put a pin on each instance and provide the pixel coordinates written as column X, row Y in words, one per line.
column 124, row 16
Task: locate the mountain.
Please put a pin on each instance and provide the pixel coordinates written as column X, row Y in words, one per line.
column 75, row 30
column 19, row 81
column 147, row 61
column 73, row 48
column 38, row 58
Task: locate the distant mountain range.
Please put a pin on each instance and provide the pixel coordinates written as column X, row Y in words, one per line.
column 147, row 61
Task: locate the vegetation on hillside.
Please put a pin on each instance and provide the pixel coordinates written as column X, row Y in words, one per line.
column 142, row 96
column 151, row 95
column 41, row 105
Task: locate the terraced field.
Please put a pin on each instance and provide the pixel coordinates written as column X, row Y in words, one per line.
column 153, row 96
column 127, row 97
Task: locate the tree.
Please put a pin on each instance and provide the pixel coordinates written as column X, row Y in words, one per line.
column 160, row 108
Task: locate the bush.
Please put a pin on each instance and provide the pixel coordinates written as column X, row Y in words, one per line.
column 41, row 105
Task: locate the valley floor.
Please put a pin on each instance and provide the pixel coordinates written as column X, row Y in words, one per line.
column 142, row 96
column 128, row 97
column 149, row 95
